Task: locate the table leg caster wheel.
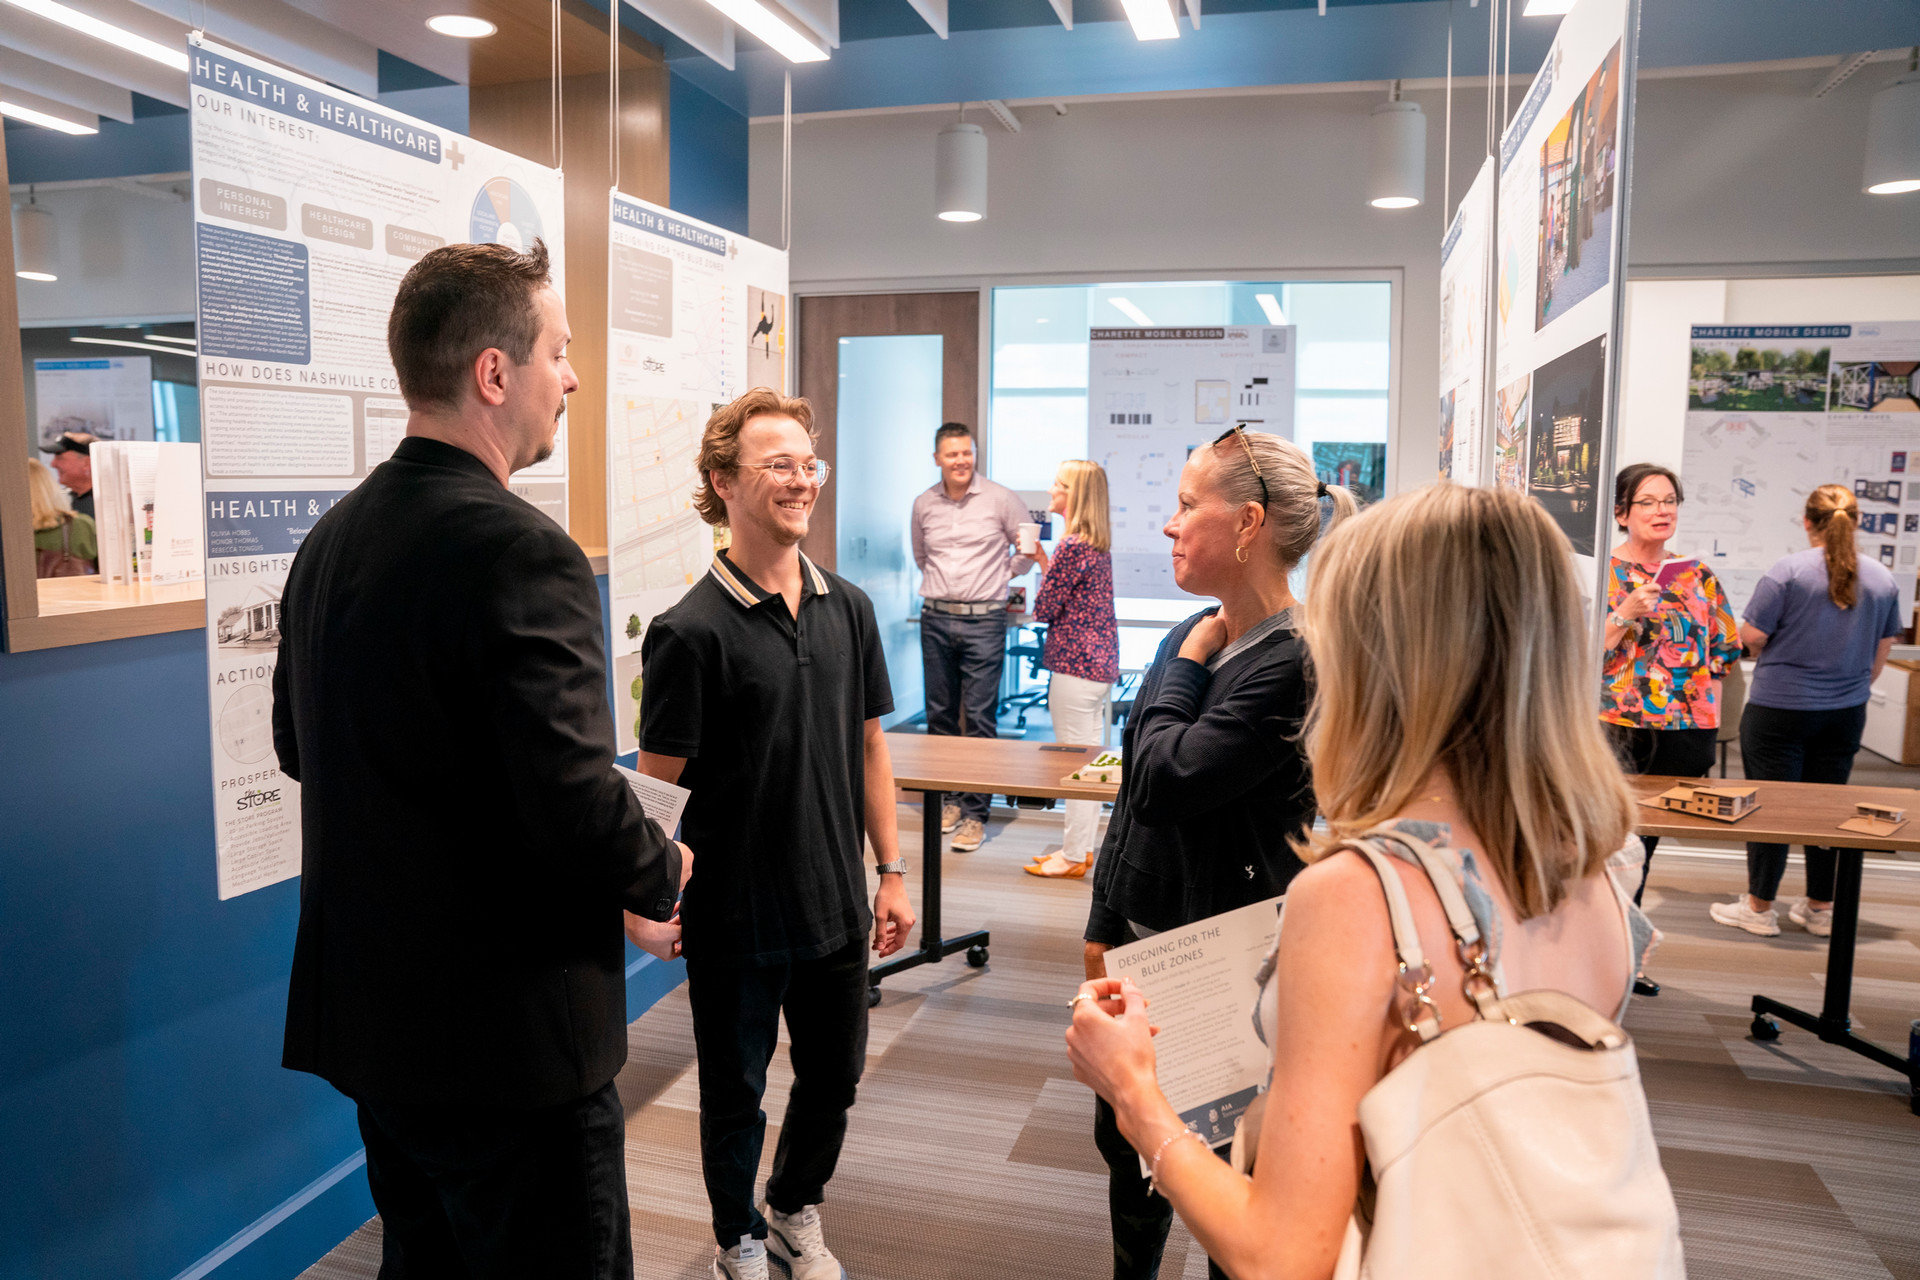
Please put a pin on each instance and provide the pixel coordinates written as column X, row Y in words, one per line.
column 977, row 956
column 1764, row 1028
column 873, row 997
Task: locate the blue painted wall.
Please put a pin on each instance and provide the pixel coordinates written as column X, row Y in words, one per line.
column 706, row 156
column 145, row 1119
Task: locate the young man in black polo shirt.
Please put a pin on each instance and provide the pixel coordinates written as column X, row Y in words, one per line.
column 763, row 690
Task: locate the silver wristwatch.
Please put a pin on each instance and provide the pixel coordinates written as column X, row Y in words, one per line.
column 898, row 867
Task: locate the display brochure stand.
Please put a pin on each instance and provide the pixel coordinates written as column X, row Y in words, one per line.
column 1833, row 1023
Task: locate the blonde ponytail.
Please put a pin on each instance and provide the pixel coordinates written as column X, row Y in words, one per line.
column 1835, row 517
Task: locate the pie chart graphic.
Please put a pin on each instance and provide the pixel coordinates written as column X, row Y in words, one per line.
column 503, row 213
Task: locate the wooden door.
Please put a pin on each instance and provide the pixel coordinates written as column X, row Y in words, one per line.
column 826, row 320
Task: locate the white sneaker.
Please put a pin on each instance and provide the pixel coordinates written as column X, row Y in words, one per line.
column 745, row 1261
column 795, row 1239
column 949, row 817
column 1817, row 921
column 1739, row 915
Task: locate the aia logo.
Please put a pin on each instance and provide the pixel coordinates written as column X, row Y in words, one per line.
column 256, row 800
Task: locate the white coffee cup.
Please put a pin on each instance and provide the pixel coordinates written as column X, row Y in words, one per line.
column 1028, row 539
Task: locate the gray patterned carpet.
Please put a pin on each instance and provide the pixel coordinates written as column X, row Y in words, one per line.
column 970, row 1152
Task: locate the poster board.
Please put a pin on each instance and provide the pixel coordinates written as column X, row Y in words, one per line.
column 1560, row 243
column 696, row 317
column 111, row 398
column 1465, row 274
column 1775, row 411
column 1154, row 396
column 310, row 204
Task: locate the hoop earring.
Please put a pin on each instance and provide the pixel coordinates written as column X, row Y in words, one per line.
column 1240, row 554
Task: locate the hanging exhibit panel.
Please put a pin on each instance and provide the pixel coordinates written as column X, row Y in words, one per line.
column 1465, row 272
column 1561, row 242
column 310, row 204
column 1156, row 395
column 1774, row 412
column 696, row 317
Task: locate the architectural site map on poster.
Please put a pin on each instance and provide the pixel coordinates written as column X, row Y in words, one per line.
column 1154, row 396
column 697, row 317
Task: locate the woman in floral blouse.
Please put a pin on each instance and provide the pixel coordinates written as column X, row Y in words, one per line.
column 1667, row 646
column 1083, row 640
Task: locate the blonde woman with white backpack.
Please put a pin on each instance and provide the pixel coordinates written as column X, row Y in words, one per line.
column 1451, row 1094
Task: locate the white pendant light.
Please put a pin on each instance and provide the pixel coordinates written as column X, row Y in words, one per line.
column 1397, row 173
column 960, row 173
column 33, row 242
column 1893, row 139
column 461, row 26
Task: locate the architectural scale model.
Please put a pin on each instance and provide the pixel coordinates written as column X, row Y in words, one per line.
column 1722, row 804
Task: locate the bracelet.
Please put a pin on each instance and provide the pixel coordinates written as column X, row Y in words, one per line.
column 1153, row 1165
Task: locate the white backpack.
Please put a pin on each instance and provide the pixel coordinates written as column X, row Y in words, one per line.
column 1515, row 1147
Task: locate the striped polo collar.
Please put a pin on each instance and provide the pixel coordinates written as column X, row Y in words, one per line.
column 747, row 592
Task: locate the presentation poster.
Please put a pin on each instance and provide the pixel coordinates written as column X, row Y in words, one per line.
column 1775, row 411
column 1154, row 396
column 110, row 398
column 696, row 316
column 1561, row 219
column 309, row 206
column 1464, row 273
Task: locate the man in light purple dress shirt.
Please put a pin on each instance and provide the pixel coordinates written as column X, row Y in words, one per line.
column 964, row 529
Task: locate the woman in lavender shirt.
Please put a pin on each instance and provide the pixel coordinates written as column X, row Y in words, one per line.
column 1822, row 621
column 1083, row 640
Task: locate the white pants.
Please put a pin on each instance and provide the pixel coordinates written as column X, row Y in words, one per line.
column 1076, row 706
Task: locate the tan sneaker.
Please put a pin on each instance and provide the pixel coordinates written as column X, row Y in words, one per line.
column 969, row 834
column 949, row 817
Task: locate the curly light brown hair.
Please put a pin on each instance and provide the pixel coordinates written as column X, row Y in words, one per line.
column 720, row 442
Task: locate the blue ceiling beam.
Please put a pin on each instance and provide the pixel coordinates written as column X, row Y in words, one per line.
column 1291, row 46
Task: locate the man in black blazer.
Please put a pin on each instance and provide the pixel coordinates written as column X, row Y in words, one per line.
column 440, row 696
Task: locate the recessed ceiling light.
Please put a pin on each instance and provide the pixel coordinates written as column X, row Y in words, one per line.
column 44, row 277
column 1151, row 19
column 1132, row 312
column 1899, row 188
column 42, row 119
column 1394, row 202
column 460, row 26
column 88, row 25
column 1271, row 305
column 165, row 337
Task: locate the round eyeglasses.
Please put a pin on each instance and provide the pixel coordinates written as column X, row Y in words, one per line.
column 787, row 471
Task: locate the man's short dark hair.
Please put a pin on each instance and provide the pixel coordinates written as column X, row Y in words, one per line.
column 456, row 302
column 948, row 430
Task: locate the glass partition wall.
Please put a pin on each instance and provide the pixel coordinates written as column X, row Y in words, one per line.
column 1038, row 405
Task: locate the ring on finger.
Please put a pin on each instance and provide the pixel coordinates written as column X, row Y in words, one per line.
column 1084, row 995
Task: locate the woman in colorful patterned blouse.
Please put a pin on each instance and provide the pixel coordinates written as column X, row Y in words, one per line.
column 1667, row 646
column 1083, row 640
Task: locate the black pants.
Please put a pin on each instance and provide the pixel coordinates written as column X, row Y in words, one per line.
column 1797, row 746
column 963, row 658
column 1674, row 753
column 1141, row 1218
column 477, row 1192
column 736, row 1024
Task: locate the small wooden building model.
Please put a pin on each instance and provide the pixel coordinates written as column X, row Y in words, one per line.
column 1880, row 812
column 1722, row 804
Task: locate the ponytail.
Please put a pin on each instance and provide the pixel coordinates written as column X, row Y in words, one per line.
column 1835, row 517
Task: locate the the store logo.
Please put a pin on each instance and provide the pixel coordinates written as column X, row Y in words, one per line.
column 256, row 800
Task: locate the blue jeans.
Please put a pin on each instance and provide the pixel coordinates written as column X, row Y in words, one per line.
column 963, row 658
column 1778, row 745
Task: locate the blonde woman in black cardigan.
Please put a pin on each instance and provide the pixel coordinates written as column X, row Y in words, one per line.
column 1214, row 787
